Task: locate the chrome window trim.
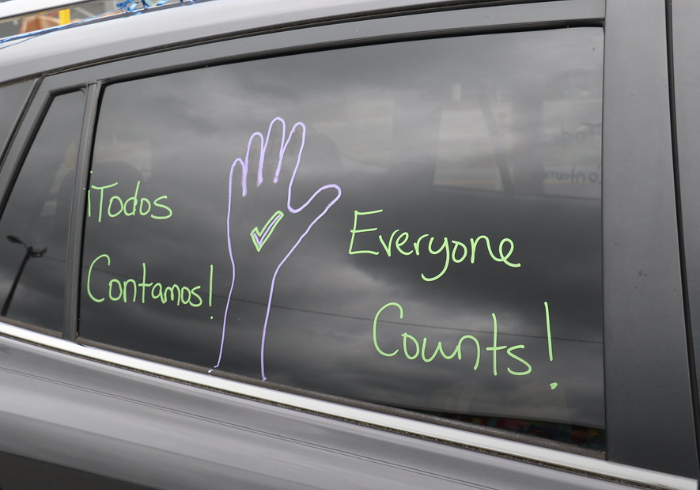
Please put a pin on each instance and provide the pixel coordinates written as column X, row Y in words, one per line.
column 574, row 462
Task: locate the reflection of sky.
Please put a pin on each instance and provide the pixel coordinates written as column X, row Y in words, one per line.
column 11, row 99
column 38, row 298
column 184, row 130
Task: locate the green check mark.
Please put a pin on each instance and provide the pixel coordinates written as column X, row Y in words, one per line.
column 260, row 237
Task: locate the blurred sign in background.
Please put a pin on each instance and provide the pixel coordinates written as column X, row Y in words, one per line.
column 22, row 16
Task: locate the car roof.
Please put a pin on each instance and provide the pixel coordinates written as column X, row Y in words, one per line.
column 176, row 24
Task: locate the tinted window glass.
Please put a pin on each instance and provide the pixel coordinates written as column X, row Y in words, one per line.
column 431, row 239
column 34, row 226
column 11, row 99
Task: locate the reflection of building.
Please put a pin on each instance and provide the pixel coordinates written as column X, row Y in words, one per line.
column 29, row 253
column 9, row 28
column 12, row 25
column 38, row 22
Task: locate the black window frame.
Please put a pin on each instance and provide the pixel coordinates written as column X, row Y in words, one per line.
column 12, row 166
column 32, row 85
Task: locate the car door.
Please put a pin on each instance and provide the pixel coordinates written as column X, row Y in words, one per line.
column 437, row 222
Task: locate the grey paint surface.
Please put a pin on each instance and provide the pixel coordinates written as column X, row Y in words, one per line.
column 647, row 372
column 686, row 38
column 149, row 431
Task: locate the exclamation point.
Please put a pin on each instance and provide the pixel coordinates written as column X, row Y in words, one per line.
column 549, row 341
column 211, row 281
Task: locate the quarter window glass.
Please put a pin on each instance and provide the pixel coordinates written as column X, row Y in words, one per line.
column 414, row 224
column 11, row 99
column 34, row 226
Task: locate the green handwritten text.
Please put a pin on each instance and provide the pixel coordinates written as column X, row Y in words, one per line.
column 413, row 348
column 451, row 251
column 114, row 205
column 141, row 290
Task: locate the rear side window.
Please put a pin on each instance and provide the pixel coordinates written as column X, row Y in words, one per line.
column 12, row 97
column 415, row 224
column 34, row 225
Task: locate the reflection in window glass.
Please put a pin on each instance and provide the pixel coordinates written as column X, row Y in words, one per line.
column 51, row 18
column 425, row 243
column 34, row 226
column 11, row 99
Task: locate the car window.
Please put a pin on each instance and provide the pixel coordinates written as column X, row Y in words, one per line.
column 34, row 225
column 12, row 97
column 413, row 224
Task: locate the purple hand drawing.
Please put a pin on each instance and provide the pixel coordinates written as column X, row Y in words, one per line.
column 271, row 258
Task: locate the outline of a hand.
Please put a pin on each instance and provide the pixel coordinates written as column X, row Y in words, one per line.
column 260, row 237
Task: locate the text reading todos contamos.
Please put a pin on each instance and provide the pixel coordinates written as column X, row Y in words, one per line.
column 110, row 204
column 141, row 290
column 452, row 251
